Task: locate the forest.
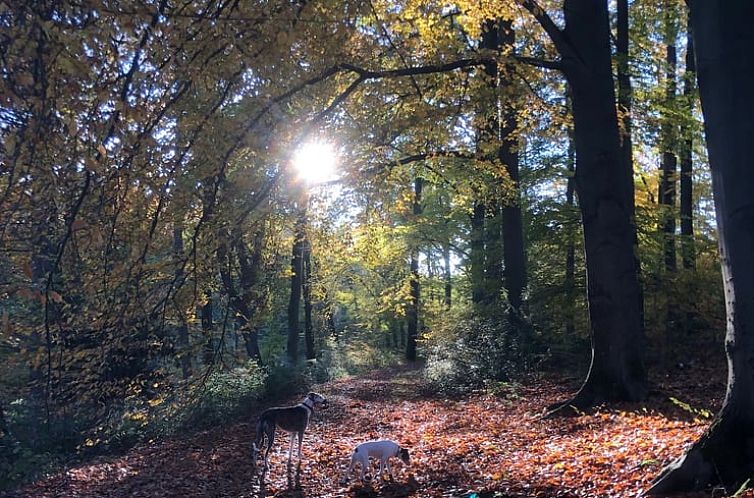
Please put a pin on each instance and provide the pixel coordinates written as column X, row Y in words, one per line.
column 513, row 236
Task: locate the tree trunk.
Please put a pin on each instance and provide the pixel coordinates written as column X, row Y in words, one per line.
column 514, row 255
column 570, row 263
column 182, row 334
column 243, row 303
column 207, row 326
column 307, row 290
column 669, row 137
column 493, row 254
column 413, row 308
column 688, row 252
column 297, row 272
column 625, row 90
column 724, row 39
column 476, row 257
column 606, row 200
column 447, row 275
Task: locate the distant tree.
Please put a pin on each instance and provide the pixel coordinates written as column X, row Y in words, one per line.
column 723, row 40
column 412, row 313
column 688, row 253
column 669, row 137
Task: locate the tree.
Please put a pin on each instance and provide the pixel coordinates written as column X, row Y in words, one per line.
column 723, row 39
column 688, row 252
column 514, row 255
column 605, row 192
column 412, row 313
column 669, row 137
column 297, row 278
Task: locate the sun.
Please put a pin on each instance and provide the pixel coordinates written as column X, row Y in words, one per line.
column 316, row 162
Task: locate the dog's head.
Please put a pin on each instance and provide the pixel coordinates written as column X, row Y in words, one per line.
column 403, row 455
column 317, row 400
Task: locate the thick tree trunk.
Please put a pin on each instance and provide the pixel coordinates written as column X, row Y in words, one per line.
column 606, row 201
column 412, row 314
column 669, row 137
column 725, row 62
column 514, row 256
column 488, row 140
column 688, row 252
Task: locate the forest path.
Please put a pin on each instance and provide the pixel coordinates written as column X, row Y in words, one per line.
column 476, row 445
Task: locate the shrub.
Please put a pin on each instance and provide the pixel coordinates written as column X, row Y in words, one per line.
column 469, row 352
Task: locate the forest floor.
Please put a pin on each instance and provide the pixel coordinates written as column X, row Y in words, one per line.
column 480, row 445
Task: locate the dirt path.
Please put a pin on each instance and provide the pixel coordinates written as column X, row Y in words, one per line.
column 488, row 445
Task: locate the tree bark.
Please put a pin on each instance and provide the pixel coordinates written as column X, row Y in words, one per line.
column 514, row 254
column 669, row 137
column 688, row 252
column 570, row 263
column 606, row 200
column 297, row 272
column 182, row 333
column 447, row 276
column 723, row 39
column 244, row 302
column 412, row 314
column 307, row 290
column 207, row 327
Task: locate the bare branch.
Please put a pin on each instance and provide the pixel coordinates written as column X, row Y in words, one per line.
column 542, row 63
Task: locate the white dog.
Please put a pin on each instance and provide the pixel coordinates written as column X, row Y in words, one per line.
column 381, row 450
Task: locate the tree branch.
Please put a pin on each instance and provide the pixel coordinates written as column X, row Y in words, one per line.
column 556, row 34
column 542, row 63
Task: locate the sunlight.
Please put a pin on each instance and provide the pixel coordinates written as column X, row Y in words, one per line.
column 316, row 162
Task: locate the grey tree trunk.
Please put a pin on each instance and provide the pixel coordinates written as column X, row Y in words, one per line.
column 294, row 302
column 447, row 277
column 723, row 40
column 182, row 333
column 669, row 137
column 412, row 314
column 307, row 290
column 688, row 252
column 207, row 328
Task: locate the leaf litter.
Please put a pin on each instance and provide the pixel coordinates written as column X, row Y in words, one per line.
column 473, row 446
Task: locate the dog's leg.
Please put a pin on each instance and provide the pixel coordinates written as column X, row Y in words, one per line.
column 290, row 448
column 270, row 442
column 364, row 465
column 300, row 443
column 389, row 472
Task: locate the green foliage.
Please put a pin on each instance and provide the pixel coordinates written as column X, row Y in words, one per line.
column 225, row 395
column 469, row 351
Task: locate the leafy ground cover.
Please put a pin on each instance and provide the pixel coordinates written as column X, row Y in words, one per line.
column 480, row 445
